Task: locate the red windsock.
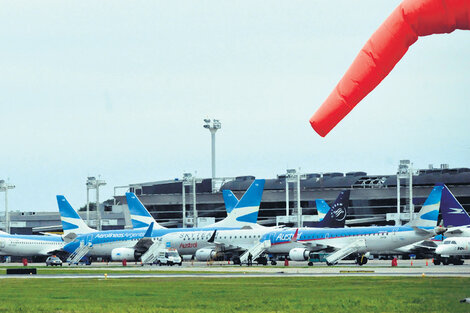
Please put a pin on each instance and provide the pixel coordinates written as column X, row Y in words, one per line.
column 411, row 19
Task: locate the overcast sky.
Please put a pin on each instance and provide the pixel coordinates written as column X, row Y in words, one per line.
column 120, row 89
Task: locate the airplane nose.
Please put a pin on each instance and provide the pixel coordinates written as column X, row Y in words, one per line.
column 440, row 249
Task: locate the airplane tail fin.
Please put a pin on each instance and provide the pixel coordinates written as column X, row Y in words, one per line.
column 140, row 216
column 71, row 221
column 453, row 214
column 336, row 216
column 245, row 212
column 427, row 216
column 230, row 200
column 322, row 208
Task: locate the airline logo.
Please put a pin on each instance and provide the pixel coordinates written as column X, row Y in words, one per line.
column 287, row 237
column 121, row 235
column 456, row 211
column 188, row 245
column 338, row 212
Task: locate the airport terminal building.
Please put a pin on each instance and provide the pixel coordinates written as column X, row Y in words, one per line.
column 373, row 199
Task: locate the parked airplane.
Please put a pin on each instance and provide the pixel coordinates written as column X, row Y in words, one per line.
column 126, row 244
column 452, row 250
column 29, row 245
column 300, row 243
column 206, row 245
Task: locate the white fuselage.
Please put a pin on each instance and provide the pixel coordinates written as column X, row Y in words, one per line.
column 187, row 243
column 454, row 246
column 19, row 245
column 376, row 239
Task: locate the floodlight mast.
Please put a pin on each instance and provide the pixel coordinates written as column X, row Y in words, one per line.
column 212, row 125
column 4, row 186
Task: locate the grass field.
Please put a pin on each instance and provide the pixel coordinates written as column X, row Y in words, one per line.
column 302, row 294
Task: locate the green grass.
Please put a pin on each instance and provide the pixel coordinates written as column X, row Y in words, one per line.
column 250, row 294
column 102, row 271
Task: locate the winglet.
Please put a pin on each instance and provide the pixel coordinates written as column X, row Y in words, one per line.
column 294, row 238
column 148, row 233
column 212, row 238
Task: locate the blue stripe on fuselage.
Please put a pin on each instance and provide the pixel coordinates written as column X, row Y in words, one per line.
column 304, row 235
column 110, row 236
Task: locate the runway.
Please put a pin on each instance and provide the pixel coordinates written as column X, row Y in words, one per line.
column 223, row 270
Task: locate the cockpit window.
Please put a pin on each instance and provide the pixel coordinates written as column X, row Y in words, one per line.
column 453, row 242
column 446, row 242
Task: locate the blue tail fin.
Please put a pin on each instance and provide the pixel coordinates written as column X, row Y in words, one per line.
column 71, row 221
column 453, row 214
column 230, row 200
column 322, row 208
column 140, row 216
column 248, row 206
column 427, row 216
column 336, row 216
column 245, row 211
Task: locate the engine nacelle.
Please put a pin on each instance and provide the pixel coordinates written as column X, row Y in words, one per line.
column 120, row 254
column 299, row 254
column 205, row 254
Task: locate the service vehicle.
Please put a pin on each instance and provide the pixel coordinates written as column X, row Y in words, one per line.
column 169, row 257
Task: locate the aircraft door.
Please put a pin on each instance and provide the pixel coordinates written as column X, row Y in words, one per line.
column 394, row 234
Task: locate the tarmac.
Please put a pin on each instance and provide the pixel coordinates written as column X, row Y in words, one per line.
column 416, row 268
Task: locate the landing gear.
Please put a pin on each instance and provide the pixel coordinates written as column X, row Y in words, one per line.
column 236, row 260
column 273, row 262
column 361, row 260
column 448, row 260
column 310, row 263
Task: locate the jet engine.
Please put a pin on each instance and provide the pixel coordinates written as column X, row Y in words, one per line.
column 120, row 254
column 299, row 254
column 205, row 254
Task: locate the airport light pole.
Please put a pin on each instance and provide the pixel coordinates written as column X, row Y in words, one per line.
column 294, row 176
column 4, row 186
column 212, row 125
column 93, row 183
column 189, row 180
column 405, row 172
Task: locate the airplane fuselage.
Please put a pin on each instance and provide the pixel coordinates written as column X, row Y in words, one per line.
column 454, row 246
column 29, row 245
column 376, row 239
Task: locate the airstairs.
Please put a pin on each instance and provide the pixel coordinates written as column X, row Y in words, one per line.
column 152, row 253
column 255, row 251
column 344, row 252
column 79, row 253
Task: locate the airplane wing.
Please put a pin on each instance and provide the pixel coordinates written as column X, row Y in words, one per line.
column 454, row 231
column 314, row 246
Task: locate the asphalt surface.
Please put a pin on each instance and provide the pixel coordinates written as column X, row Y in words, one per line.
column 224, row 270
